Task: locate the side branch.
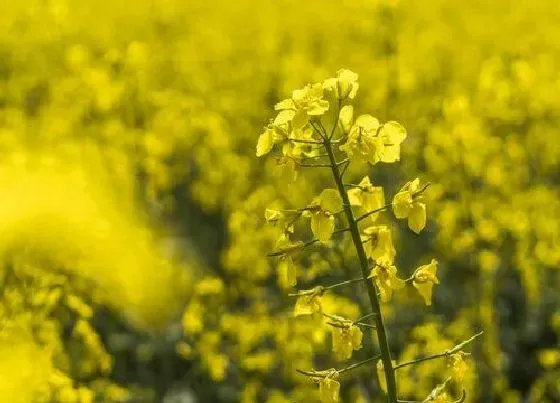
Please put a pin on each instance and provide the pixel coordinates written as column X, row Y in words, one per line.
column 440, row 355
column 321, row 374
column 386, row 206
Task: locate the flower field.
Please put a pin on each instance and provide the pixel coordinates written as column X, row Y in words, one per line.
column 277, row 202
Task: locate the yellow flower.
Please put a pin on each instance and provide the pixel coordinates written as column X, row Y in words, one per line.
column 305, row 102
column 363, row 141
column 330, row 201
column 309, row 302
column 373, row 142
column 329, row 388
column 378, row 243
column 346, row 337
column 322, row 225
column 368, row 197
column 442, row 397
column 549, row 358
column 345, row 85
column 458, row 365
column 393, row 134
column 381, row 375
column 345, row 118
column 286, row 272
column 284, row 127
column 265, row 142
column 321, row 213
column 384, row 274
column 424, row 279
column 407, row 203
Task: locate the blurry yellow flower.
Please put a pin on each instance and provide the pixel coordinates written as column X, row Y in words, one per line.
column 424, row 279
column 285, row 169
column 184, row 350
column 407, row 204
column 393, row 134
column 286, row 272
column 309, row 302
column 329, row 388
column 330, row 201
column 217, row 366
column 322, row 225
column 265, row 142
column 345, row 118
column 273, row 216
column 458, row 365
column 381, row 375
column 346, row 337
column 442, row 397
column 384, row 275
column 549, row 358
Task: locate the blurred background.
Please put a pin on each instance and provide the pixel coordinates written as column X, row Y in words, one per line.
column 132, row 241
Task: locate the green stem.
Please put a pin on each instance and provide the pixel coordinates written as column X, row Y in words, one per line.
column 355, row 232
column 446, row 353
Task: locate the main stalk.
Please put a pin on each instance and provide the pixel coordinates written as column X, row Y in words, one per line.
column 353, row 228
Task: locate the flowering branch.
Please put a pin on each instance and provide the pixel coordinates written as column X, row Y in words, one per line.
column 440, row 355
column 321, row 374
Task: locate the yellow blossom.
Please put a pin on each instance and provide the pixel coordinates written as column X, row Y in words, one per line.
column 346, row 337
column 424, row 279
column 309, row 302
column 286, row 272
column 381, row 374
column 322, row 225
column 407, row 203
column 368, row 197
column 345, row 85
column 329, row 388
column 384, row 274
column 372, row 142
column 378, row 243
column 458, row 365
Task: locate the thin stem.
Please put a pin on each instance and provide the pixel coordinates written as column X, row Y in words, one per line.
column 315, row 374
column 305, row 141
column 355, row 323
column 354, row 280
column 344, row 169
column 303, row 245
column 314, row 165
column 322, row 165
column 365, row 325
column 439, row 355
column 354, row 230
column 292, row 248
column 369, row 315
column 335, row 123
column 319, row 132
column 377, row 210
column 359, row 364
